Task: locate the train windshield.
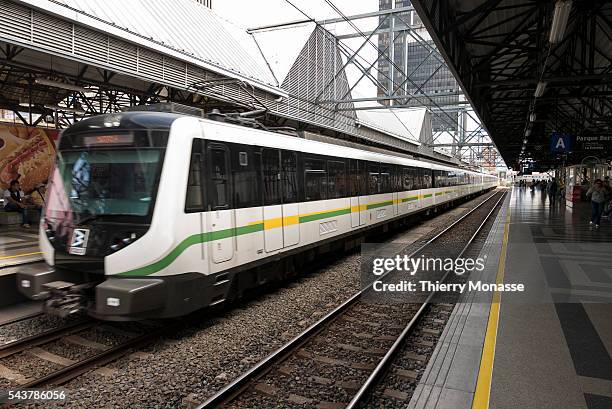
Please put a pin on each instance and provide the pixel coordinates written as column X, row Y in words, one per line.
column 90, row 184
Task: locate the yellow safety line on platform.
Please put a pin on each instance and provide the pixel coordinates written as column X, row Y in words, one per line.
column 20, row 255
column 485, row 374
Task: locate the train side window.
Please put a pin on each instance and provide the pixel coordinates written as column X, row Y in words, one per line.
column 245, row 177
column 358, row 178
column 336, row 179
column 406, row 182
column 363, row 180
column 353, row 177
column 418, row 178
column 271, row 176
column 396, row 179
column 426, row 179
column 386, row 178
column 219, row 177
column 194, row 200
column 373, row 178
column 315, row 179
column 411, row 178
column 289, row 176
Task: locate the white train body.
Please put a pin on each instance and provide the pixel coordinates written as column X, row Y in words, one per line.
column 226, row 200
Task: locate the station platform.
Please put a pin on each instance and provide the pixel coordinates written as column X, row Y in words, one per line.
column 546, row 347
column 18, row 246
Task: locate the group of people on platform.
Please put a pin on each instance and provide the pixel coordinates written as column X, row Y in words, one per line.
column 600, row 193
column 15, row 200
column 554, row 188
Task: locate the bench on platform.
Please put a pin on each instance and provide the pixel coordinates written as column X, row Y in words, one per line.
column 13, row 218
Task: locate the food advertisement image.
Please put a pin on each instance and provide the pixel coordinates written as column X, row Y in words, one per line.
column 26, row 154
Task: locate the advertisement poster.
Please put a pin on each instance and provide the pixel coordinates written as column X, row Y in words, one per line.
column 26, row 154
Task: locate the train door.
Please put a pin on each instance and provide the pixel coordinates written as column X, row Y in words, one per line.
column 290, row 205
column 273, row 209
column 221, row 218
column 195, row 209
column 357, row 188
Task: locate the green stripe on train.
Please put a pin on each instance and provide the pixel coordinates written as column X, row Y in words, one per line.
column 190, row 241
column 319, row 216
column 217, row 235
column 381, row 204
column 227, row 233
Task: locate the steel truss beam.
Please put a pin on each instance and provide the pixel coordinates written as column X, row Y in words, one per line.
column 407, row 91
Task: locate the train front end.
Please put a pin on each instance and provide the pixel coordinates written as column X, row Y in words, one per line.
column 100, row 202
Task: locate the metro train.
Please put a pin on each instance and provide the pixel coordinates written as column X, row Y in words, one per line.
column 156, row 214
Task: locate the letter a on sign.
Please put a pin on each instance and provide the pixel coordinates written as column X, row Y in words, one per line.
column 560, row 144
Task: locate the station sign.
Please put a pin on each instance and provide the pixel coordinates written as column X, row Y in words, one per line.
column 560, row 142
column 594, row 142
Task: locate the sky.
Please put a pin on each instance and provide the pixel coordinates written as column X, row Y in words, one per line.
column 250, row 13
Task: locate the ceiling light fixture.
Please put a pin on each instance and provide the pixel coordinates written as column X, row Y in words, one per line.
column 559, row 22
column 539, row 91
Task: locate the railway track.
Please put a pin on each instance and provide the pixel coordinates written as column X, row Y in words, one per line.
column 43, row 353
column 21, row 318
column 339, row 360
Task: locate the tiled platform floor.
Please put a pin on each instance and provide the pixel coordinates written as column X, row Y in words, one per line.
column 553, row 342
column 18, row 245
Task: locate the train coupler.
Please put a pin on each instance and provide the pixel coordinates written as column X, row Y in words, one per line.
column 66, row 298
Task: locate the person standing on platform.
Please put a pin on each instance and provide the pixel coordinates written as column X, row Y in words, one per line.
column 561, row 188
column 552, row 191
column 598, row 199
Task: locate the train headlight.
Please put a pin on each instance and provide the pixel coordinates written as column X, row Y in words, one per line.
column 123, row 240
column 113, row 302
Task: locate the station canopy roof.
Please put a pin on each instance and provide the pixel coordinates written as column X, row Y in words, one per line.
column 531, row 69
column 292, row 37
column 409, row 124
column 181, row 28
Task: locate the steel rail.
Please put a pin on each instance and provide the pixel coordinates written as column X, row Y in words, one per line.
column 380, row 370
column 21, row 318
column 45, row 337
column 109, row 355
column 240, row 384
